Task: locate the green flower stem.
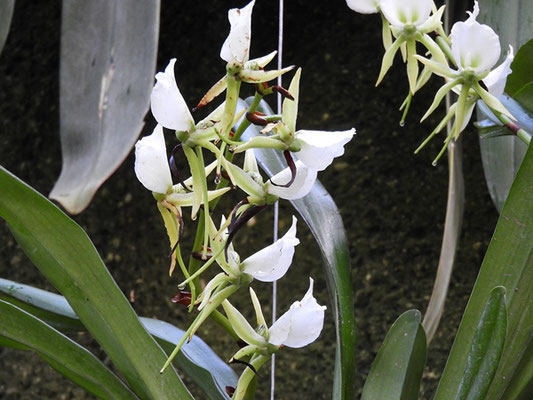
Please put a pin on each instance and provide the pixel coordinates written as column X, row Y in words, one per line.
column 223, row 322
column 215, row 302
column 205, row 195
column 245, row 123
column 232, row 95
column 446, row 49
column 524, row 135
column 204, row 267
column 436, row 50
column 247, row 376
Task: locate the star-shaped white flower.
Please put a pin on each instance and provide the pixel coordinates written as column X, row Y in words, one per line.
column 167, row 103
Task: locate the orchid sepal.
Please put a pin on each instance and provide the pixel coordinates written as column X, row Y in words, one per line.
column 242, row 327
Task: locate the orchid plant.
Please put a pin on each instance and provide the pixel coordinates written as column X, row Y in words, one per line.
column 221, row 163
column 219, row 134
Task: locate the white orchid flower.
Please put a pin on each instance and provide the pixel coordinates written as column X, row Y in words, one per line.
column 236, row 48
column 364, row 6
column 151, row 163
column 475, row 47
column 301, row 324
column 272, row 262
column 167, row 103
column 410, row 21
column 251, row 182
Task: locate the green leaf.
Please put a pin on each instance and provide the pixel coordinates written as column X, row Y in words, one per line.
column 322, row 216
column 6, row 13
column 525, row 96
column 67, row 258
column 507, row 263
column 501, row 156
column 486, row 349
column 108, row 56
column 522, row 66
column 63, row 354
column 397, row 369
column 196, row 358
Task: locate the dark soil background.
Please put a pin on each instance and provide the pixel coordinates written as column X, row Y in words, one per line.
column 392, row 202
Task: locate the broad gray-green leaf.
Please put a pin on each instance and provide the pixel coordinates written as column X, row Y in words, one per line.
column 502, row 156
column 521, row 69
column 513, row 22
column 486, row 349
column 507, row 263
column 67, row 258
column 108, row 55
column 322, row 216
column 397, row 369
column 63, row 354
column 196, row 358
column 6, row 13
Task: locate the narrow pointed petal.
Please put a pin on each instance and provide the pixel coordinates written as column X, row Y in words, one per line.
column 241, row 326
column 243, row 180
column 301, row 325
column 237, row 44
column 496, row 79
column 260, row 75
column 151, row 164
column 319, row 148
column 260, row 62
column 364, row 6
column 167, row 103
column 304, row 181
column 213, row 92
column 290, row 107
column 272, row 262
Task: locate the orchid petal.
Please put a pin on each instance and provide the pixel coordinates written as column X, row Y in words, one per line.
column 237, row 45
column 272, row 262
column 406, row 12
column 167, row 103
column 319, row 148
column 496, row 79
column 301, row 324
column 474, row 46
column 290, row 107
column 304, row 181
column 364, row 6
column 151, row 164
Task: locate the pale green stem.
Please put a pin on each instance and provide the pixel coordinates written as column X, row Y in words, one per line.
column 446, row 49
column 205, row 195
column 204, row 267
column 247, row 376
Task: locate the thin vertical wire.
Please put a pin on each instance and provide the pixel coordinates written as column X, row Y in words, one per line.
column 276, row 205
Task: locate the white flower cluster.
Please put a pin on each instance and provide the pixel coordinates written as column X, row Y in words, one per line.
column 314, row 150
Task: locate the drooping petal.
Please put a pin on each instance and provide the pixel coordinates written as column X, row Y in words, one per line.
column 237, row 45
column 475, row 46
column 304, row 181
column 272, row 262
column 301, row 324
column 364, row 6
column 319, row 148
column 151, row 164
column 496, row 79
column 167, row 103
column 406, row 12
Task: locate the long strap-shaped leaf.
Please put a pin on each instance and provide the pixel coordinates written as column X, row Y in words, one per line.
column 322, row 216
column 108, row 55
column 397, row 369
column 196, row 358
column 65, row 355
column 508, row 263
column 66, row 256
